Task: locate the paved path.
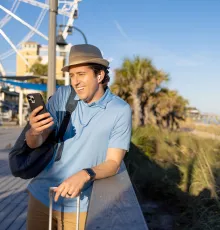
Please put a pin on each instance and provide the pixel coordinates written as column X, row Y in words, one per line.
column 13, row 197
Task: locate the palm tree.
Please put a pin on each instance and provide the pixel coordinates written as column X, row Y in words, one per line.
column 169, row 107
column 135, row 81
column 39, row 69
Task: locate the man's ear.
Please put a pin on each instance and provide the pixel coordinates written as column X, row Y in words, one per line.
column 101, row 76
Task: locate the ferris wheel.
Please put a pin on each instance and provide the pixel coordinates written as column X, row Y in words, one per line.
column 22, row 13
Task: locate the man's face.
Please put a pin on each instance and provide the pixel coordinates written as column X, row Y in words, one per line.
column 84, row 82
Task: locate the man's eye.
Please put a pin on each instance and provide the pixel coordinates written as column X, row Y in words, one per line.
column 81, row 74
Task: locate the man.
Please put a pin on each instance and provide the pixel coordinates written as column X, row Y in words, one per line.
column 96, row 139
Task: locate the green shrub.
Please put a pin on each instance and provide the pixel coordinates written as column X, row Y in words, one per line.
column 177, row 168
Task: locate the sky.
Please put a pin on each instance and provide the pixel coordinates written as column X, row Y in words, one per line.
column 181, row 37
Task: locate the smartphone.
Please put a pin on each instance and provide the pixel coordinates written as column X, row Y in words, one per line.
column 35, row 100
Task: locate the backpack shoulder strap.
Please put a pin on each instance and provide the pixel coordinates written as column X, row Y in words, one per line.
column 70, row 107
column 71, row 103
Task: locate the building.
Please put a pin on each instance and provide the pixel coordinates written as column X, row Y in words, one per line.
column 193, row 112
column 8, row 103
column 33, row 53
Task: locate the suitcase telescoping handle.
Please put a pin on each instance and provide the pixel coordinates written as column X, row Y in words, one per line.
column 51, row 195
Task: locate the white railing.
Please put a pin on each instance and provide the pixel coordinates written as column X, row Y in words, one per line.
column 114, row 205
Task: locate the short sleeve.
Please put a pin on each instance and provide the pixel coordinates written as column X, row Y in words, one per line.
column 120, row 136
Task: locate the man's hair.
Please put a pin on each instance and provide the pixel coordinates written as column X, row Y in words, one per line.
column 97, row 68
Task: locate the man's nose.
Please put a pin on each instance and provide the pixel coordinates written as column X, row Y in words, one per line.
column 75, row 80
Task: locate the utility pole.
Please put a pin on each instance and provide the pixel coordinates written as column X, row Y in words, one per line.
column 20, row 107
column 51, row 81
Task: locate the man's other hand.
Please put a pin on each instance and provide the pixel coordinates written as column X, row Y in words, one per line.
column 72, row 186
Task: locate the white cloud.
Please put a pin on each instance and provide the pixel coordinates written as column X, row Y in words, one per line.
column 120, row 29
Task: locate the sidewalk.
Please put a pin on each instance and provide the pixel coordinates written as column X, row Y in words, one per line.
column 8, row 123
column 13, row 197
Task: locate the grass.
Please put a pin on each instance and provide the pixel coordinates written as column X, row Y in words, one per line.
column 212, row 129
column 179, row 169
column 208, row 128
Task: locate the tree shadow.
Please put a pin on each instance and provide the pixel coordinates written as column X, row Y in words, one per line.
column 164, row 205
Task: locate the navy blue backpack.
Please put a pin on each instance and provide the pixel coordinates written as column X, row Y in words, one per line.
column 27, row 163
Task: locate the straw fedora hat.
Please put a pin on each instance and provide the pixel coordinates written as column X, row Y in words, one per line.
column 80, row 54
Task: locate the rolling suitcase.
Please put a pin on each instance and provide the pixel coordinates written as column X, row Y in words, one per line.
column 51, row 193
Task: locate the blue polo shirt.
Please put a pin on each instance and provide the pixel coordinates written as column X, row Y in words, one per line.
column 93, row 128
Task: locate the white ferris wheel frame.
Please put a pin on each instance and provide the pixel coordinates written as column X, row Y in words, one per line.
column 68, row 10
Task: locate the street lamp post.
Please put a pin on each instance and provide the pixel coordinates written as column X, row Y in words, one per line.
column 70, row 30
column 80, row 31
column 60, row 41
column 51, row 81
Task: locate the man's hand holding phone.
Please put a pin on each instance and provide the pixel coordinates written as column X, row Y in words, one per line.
column 39, row 130
column 40, row 122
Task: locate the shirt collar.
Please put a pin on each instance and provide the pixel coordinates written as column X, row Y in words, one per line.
column 102, row 102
